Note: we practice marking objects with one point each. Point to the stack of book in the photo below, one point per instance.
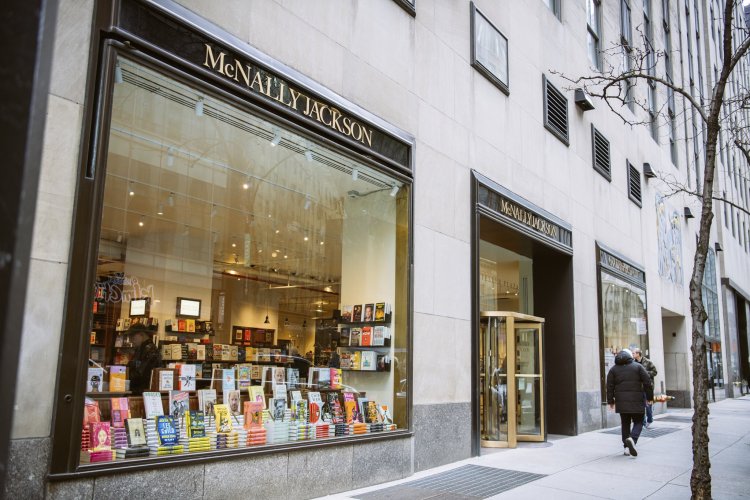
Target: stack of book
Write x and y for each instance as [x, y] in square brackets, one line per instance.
[299, 432]
[120, 436]
[132, 452]
[341, 429]
[198, 444]
[163, 436]
[376, 427]
[358, 428]
[277, 432]
[256, 436]
[91, 456]
[323, 431]
[85, 439]
[226, 440]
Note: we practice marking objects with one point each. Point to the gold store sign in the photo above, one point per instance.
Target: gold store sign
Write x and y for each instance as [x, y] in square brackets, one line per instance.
[529, 219]
[274, 88]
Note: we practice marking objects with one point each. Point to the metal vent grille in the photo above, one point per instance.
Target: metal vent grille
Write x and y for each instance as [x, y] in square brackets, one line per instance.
[601, 154]
[466, 482]
[651, 432]
[555, 111]
[634, 184]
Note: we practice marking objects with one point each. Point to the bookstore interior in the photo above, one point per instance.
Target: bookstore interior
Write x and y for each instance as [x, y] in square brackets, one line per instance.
[251, 282]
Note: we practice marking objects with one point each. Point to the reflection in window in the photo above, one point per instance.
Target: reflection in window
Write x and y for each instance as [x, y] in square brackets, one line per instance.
[623, 312]
[489, 50]
[277, 240]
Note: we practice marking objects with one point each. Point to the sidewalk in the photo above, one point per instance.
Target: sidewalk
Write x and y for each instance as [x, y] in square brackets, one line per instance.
[592, 465]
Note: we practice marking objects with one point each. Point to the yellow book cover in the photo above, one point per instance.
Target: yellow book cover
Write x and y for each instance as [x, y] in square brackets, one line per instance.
[190, 324]
[117, 378]
[223, 418]
[255, 392]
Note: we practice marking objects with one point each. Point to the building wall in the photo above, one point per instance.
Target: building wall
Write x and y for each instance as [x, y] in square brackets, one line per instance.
[414, 73]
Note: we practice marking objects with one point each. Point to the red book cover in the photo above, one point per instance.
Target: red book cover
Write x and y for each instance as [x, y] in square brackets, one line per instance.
[99, 434]
[366, 338]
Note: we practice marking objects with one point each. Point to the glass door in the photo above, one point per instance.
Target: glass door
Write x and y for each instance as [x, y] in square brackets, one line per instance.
[511, 392]
[529, 382]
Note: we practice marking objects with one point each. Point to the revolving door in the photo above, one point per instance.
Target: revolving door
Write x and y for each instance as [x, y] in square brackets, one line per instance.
[511, 379]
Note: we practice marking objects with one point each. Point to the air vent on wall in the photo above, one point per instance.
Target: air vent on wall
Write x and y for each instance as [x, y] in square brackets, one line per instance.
[634, 184]
[555, 111]
[600, 147]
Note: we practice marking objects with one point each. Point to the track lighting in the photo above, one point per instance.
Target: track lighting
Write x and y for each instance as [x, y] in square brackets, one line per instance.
[140, 222]
[213, 210]
[160, 210]
[131, 189]
[246, 184]
[307, 202]
[394, 191]
[355, 174]
[266, 322]
[276, 139]
[199, 107]
[170, 157]
[170, 199]
[308, 155]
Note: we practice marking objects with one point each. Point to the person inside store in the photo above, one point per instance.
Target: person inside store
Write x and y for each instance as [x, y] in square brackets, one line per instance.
[146, 357]
[626, 383]
[648, 419]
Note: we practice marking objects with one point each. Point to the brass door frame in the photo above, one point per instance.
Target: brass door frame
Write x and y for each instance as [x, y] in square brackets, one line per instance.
[514, 320]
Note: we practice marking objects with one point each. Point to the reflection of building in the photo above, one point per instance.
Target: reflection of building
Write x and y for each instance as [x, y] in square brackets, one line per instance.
[283, 182]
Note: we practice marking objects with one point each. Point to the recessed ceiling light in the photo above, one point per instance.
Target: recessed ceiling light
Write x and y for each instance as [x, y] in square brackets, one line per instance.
[306, 238]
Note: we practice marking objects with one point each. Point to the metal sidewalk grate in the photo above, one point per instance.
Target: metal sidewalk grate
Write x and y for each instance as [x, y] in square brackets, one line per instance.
[652, 432]
[465, 482]
[682, 419]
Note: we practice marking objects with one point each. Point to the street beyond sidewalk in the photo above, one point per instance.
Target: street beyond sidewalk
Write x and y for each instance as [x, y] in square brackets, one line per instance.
[592, 465]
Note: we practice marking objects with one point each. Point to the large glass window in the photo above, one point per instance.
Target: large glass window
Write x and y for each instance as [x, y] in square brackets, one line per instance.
[251, 283]
[593, 23]
[623, 318]
[489, 50]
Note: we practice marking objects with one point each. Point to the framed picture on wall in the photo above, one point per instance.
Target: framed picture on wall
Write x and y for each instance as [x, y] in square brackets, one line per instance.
[188, 308]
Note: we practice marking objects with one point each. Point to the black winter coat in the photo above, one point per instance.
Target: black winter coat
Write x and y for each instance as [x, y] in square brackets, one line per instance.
[626, 383]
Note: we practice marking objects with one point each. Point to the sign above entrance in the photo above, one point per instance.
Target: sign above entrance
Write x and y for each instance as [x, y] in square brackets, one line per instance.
[617, 265]
[525, 216]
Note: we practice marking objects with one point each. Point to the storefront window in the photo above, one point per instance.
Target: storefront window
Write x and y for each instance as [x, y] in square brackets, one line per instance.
[251, 283]
[622, 310]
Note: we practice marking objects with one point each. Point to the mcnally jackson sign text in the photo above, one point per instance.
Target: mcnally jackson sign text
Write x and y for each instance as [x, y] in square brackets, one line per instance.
[274, 88]
[529, 219]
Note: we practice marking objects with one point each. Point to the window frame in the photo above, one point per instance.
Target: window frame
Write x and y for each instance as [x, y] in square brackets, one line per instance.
[410, 6]
[476, 63]
[71, 370]
[595, 32]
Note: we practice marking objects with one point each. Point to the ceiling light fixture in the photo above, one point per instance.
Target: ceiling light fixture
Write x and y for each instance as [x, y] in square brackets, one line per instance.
[160, 209]
[199, 107]
[131, 189]
[355, 174]
[306, 238]
[140, 222]
[119, 237]
[246, 184]
[394, 191]
[170, 157]
[213, 210]
[307, 202]
[276, 140]
[308, 155]
[170, 199]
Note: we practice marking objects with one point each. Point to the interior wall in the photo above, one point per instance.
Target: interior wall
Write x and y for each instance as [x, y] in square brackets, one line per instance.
[677, 373]
[553, 300]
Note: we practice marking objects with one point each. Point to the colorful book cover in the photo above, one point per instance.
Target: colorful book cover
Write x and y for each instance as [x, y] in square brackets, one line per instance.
[350, 411]
[356, 360]
[187, 376]
[232, 400]
[279, 391]
[166, 431]
[255, 392]
[190, 325]
[166, 380]
[368, 360]
[345, 336]
[346, 360]
[357, 313]
[368, 313]
[356, 335]
[91, 412]
[385, 414]
[244, 376]
[179, 403]
[279, 375]
[362, 406]
[366, 337]
[336, 378]
[335, 411]
[227, 380]
[313, 412]
[200, 352]
[346, 313]
[181, 325]
[296, 395]
[223, 418]
[253, 414]
[256, 372]
[378, 336]
[136, 432]
[100, 436]
[371, 417]
[299, 411]
[120, 411]
[206, 401]
[117, 378]
[195, 424]
[380, 311]
[152, 404]
[95, 381]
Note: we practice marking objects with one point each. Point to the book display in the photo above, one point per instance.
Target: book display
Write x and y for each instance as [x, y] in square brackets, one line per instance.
[365, 337]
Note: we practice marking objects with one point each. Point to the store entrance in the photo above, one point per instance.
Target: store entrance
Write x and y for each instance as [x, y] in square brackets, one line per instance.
[511, 386]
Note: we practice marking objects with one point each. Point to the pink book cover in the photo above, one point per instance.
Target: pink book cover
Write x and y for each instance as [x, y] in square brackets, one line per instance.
[99, 433]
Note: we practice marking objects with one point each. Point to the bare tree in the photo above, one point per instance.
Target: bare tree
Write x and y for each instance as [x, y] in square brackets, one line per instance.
[614, 85]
